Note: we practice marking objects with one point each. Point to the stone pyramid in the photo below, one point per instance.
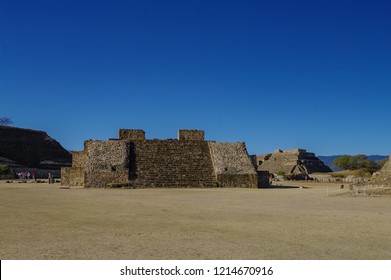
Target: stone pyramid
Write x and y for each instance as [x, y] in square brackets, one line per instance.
[296, 161]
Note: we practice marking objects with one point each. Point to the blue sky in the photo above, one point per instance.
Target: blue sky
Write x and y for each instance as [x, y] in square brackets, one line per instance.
[274, 74]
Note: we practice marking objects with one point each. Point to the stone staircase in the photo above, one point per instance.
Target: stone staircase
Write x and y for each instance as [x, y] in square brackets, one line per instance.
[171, 163]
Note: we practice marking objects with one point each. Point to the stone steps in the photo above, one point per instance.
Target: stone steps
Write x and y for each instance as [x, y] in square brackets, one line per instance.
[172, 163]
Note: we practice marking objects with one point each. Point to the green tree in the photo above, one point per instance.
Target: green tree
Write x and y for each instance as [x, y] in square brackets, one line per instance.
[368, 166]
[344, 162]
[358, 159]
[358, 162]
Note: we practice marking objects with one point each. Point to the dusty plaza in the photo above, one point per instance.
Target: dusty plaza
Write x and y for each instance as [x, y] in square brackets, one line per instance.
[288, 221]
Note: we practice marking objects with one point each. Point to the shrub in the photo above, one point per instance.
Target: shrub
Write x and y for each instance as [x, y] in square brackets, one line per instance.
[362, 173]
[4, 169]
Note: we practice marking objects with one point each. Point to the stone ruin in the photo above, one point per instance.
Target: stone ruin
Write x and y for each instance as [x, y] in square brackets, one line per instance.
[296, 161]
[386, 169]
[383, 176]
[136, 162]
[378, 185]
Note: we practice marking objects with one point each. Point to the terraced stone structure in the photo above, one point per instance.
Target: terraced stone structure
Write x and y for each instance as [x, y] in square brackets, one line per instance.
[296, 161]
[136, 162]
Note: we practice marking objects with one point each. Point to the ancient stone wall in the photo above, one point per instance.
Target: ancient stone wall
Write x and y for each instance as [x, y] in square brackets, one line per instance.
[387, 166]
[191, 134]
[66, 176]
[171, 163]
[75, 175]
[378, 185]
[232, 165]
[72, 176]
[237, 180]
[264, 179]
[79, 159]
[383, 176]
[107, 162]
[131, 134]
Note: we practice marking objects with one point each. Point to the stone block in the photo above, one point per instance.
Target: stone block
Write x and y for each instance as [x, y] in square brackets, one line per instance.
[131, 134]
[190, 134]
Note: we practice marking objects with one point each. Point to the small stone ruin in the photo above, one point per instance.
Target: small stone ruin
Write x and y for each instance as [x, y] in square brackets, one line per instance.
[383, 176]
[386, 169]
[378, 185]
[136, 162]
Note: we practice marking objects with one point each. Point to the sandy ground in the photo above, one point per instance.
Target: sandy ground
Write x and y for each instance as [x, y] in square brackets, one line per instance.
[42, 221]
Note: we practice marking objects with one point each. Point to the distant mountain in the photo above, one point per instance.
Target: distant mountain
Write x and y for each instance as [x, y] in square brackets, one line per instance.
[328, 160]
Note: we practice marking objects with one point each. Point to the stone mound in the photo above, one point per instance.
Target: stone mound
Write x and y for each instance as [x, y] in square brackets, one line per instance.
[296, 161]
[386, 169]
[382, 177]
[379, 185]
[31, 148]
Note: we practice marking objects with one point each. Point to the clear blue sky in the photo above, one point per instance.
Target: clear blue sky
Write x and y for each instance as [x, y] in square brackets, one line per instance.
[274, 74]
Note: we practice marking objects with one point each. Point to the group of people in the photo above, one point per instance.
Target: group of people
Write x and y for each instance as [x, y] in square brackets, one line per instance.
[26, 175]
[50, 178]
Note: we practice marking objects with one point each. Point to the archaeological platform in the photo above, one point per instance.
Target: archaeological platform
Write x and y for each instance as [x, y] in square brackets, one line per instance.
[136, 162]
[296, 161]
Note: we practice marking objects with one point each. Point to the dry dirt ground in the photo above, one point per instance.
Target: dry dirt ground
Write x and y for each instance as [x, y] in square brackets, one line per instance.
[42, 221]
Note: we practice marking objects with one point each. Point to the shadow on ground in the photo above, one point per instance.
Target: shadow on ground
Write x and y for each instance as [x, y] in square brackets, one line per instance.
[283, 187]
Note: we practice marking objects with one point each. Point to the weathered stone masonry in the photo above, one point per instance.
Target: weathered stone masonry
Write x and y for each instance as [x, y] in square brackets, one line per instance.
[296, 161]
[232, 165]
[137, 162]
